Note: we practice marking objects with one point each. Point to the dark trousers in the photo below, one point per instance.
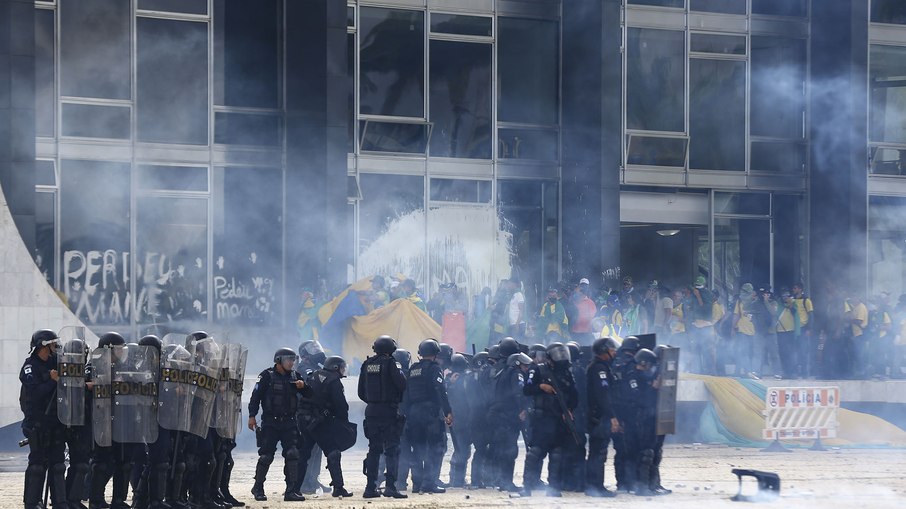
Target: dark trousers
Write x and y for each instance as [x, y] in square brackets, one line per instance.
[286, 434]
[320, 438]
[462, 450]
[46, 448]
[548, 439]
[502, 452]
[383, 434]
[598, 439]
[428, 438]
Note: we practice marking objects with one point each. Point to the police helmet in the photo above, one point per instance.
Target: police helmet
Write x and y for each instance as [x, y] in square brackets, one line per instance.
[43, 337]
[150, 340]
[645, 358]
[458, 363]
[631, 344]
[600, 346]
[74, 346]
[658, 349]
[334, 363]
[508, 346]
[494, 353]
[559, 353]
[283, 354]
[574, 351]
[384, 345]
[480, 359]
[446, 352]
[111, 339]
[313, 351]
[195, 337]
[403, 357]
[428, 348]
[518, 359]
[537, 351]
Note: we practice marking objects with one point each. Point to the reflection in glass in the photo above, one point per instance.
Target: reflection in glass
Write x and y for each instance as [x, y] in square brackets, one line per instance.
[460, 99]
[778, 156]
[44, 173]
[184, 6]
[659, 3]
[742, 252]
[95, 48]
[887, 85]
[888, 11]
[721, 6]
[778, 87]
[722, 44]
[398, 137]
[247, 129]
[466, 191]
[792, 8]
[461, 25]
[45, 227]
[887, 244]
[656, 151]
[717, 114]
[742, 203]
[95, 121]
[888, 161]
[45, 95]
[534, 144]
[172, 104]
[247, 53]
[527, 71]
[655, 80]
[350, 93]
[392, 62]
[172, 242]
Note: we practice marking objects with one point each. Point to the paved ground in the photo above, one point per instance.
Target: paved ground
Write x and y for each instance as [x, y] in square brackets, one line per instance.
[700, 477]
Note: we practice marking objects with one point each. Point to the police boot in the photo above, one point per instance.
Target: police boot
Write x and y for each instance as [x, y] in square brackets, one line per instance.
[507, 467]
[200, 489]
[57, 475]
[140, 497]
[34, 486]
[336, 475]
[531, 476]
[100, 474]
[174, 489]
[370, 469]
[121, 486]
[264, 463]
[291, 476]
[646, 459]
[157, 485]
[75, 485]
[214, 485]
[225, 484]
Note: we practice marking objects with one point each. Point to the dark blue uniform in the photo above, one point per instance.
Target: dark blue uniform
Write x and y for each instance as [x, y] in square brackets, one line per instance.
[483, 468]
[426, 404]
[277, 395]
[381, 387]
[327, 407]
[549, 430]
[504, 420]
[460, 394]
[598, 380]
[621, 399]
[46, 442]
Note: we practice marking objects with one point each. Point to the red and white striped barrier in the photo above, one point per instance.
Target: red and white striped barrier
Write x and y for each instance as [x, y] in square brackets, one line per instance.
[801, 412]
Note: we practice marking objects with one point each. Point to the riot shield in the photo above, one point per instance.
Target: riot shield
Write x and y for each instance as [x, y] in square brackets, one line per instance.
[204, 381]
[135, 373]
[102, 402]
[228, 406]
[175, 390]
[668, 368]
[71, 396]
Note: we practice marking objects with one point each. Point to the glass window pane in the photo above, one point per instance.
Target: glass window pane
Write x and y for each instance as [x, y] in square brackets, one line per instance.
[535, 144]
[717, 115]
[96, 121]
[45, 228]
[392, 226]
[172, 242]
[45, 94]
[350, 93]
[184, 6]
[655, 80]
[44, 173]
[94, 241]
[659, 3]
[796, 8]
[887, 84]
[392, 62]
[742, 203]
[528, 66]
[172, 101]
[247, 129]
[395, 137]
[888, 11]
[460, 95]
[172, 178]
[723, 44]
[656, 151]
[887, 245]
[888, 161]
[350, 17]
[462, 25]
[466, 191]
[778, 87]
[780, 157]
[95, 48]
[247, 253]
[247, 53]
[721, 6]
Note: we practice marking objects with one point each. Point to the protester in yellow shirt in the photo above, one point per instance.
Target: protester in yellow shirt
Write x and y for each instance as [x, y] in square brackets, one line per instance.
[744, 329]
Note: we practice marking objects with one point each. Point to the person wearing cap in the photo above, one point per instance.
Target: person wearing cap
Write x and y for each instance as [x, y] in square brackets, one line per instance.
[627, 288]
[743, 332]
[552, 318]
[635, 317]
[806, 309]
[789, 331]
[580, 329]
[515, 309]
[612, 317]
[408, 291]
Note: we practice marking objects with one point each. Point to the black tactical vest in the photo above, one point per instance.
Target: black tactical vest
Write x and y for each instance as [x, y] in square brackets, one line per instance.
[281, 398]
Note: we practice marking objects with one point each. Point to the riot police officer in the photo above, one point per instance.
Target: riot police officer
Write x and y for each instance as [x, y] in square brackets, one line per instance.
[153, 485]
[404, 358]
[326, 421]
[507, 412]
[427, 410]
[276, 392]
[381, 386]
[311, 358]
[553, 391]
[484, 467]
[459, 393]
[642, 434]
[623, 367]
[573, 450]
[41, 425]
[602, 421]
[74, 411]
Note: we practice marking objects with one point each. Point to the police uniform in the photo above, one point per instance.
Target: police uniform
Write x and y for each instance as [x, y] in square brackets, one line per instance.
[276, 394]
[549, 431]
[504, 422]
[326, 407]
[426, 403]
[482, 433]
[308, 482]
[78, 441]
[460, 394]
[638, 403]
[599, 378]
[42, 427]
[381, 387]
[621, 398]
[574, 452]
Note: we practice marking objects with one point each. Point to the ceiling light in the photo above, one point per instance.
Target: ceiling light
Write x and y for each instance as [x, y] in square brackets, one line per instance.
[667, 233]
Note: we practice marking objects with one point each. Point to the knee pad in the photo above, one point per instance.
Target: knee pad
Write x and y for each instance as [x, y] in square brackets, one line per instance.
[266, 459]
[291, 454]
[333, 456]
[647, 456]
[35, 469]
[535, 453]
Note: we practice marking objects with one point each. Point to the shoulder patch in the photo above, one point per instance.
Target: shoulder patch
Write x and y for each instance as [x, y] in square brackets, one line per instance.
[440, 379]
[27, 369]
[602, 375]
[399, 366]
[521, 379]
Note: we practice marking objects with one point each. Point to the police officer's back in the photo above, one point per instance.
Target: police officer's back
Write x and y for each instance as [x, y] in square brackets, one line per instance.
[602, 421]
[428, 407]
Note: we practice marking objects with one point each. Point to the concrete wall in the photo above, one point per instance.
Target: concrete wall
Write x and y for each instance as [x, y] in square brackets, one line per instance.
[27, 303]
